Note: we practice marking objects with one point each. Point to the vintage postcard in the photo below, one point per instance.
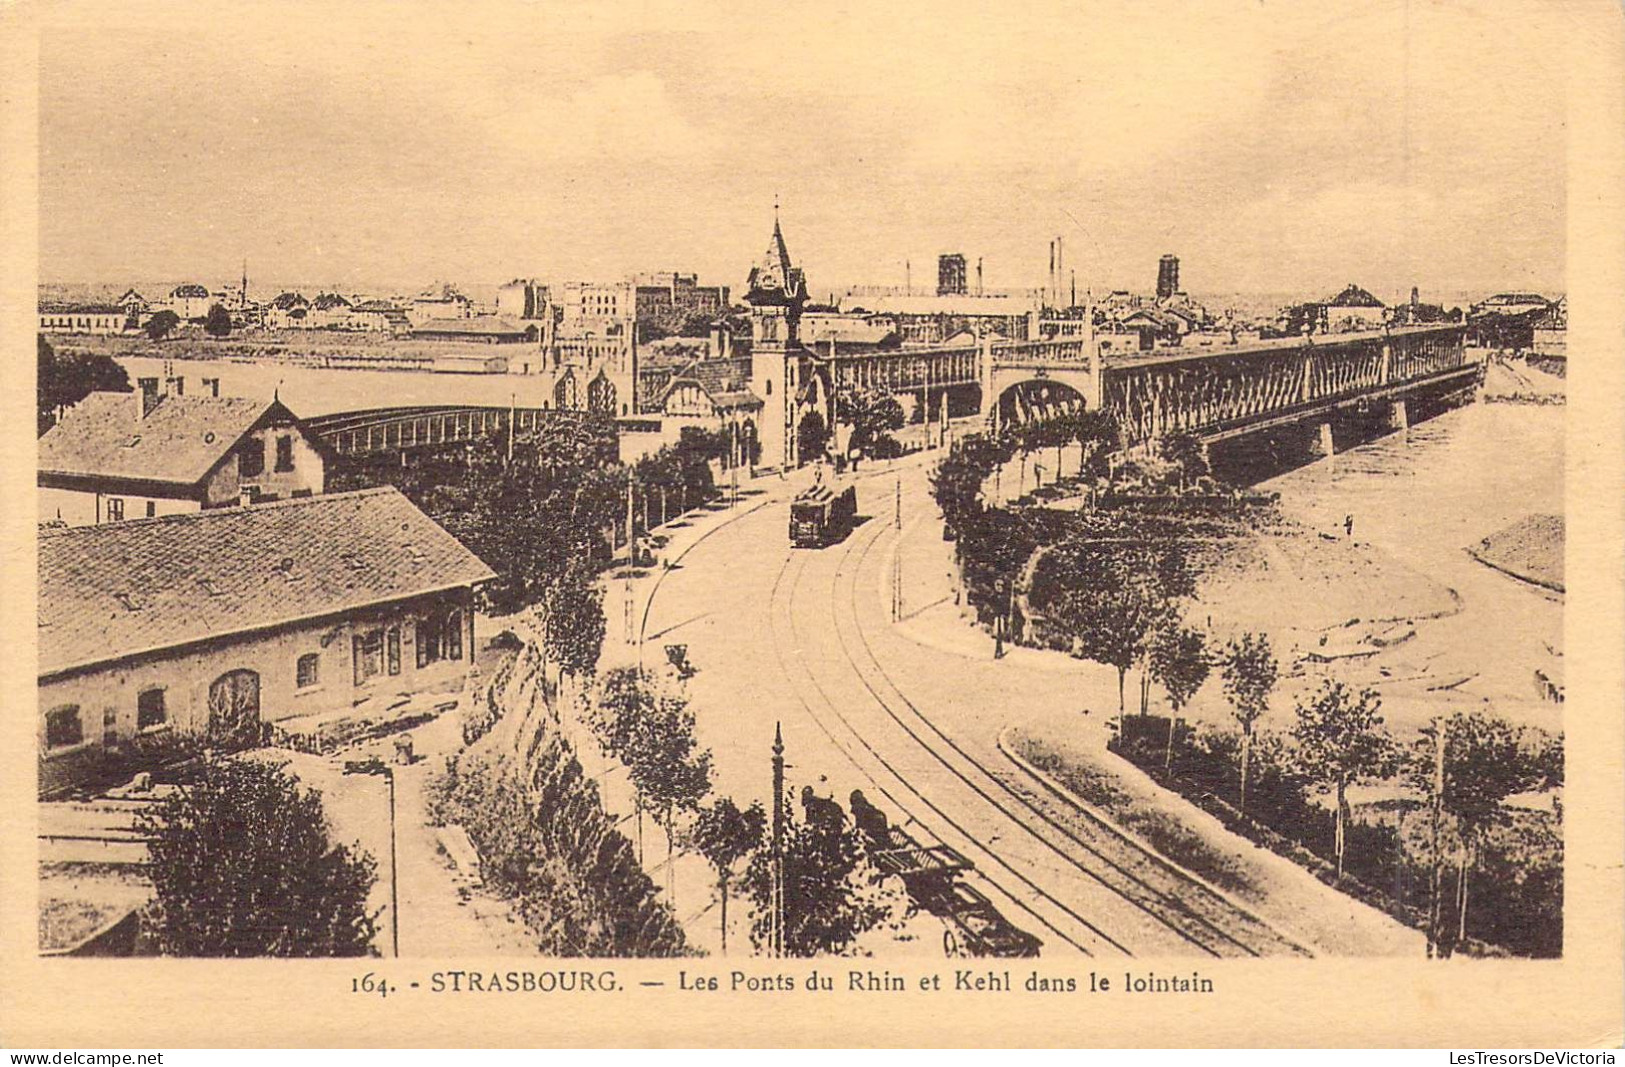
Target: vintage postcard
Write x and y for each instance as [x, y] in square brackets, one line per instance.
[1062, 524]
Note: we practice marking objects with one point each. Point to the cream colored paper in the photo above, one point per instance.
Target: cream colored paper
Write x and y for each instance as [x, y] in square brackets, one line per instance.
[892, 128]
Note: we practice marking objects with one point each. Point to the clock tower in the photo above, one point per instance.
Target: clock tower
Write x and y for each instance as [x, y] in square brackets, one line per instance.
[776, 293]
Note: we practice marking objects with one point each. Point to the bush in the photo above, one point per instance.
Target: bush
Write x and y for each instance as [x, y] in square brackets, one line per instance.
[242, 865]
[546, 843]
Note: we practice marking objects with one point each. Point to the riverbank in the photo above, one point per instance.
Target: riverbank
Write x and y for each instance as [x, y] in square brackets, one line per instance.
[1530, 550]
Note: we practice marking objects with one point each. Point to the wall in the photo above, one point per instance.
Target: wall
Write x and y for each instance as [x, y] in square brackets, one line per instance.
[224, 483]
[111, 692]
[78, 508]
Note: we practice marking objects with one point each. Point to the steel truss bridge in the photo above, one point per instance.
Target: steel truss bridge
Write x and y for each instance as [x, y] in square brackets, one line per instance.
[381, 431]
[1214, 392]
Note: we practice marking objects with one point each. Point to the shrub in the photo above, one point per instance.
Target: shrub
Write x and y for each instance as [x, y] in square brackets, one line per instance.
[242, 865]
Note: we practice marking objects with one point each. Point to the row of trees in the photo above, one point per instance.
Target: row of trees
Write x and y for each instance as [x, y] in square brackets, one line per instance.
[832, 893]
[548, 517]
[1465, 766]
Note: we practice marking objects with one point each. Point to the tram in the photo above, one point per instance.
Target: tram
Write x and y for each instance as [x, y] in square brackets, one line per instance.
[822, 516]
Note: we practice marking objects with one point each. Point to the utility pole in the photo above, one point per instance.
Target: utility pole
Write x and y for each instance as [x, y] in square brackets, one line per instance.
[776, 927]
[1437, 813]
[513, 423]
[394, 869]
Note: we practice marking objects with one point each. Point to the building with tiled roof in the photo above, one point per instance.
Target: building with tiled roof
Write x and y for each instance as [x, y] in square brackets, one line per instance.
[117, 456]
[65, 317]
[481, 329]
[190, 301]
[379, 316]
[214, 623]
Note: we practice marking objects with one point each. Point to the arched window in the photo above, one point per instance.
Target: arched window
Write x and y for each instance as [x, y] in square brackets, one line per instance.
[770, 387]
[308, 672]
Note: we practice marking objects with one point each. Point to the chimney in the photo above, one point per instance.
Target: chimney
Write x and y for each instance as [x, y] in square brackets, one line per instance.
[175, 386]
[213, 386]
[146, 397]
[245, 496]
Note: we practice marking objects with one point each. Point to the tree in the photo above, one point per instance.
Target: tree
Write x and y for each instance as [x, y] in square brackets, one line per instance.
[670, 769]
[64, 380]
[1179, 664]
[1341, 742]
[1250, 671]
[1112, 597]
[572, 621]
[833, 894]
[218, 321]
[162, 324]
[1480, 762]
[241, 864]
[1186, 452]
[874, 416]
[725, 835]
[650, 729]
[812, 436]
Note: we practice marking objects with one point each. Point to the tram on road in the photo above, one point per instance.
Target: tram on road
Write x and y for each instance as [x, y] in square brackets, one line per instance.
[821, 515]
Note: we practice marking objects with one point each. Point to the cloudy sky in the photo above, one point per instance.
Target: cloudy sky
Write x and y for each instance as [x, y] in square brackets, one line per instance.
[1275, 148]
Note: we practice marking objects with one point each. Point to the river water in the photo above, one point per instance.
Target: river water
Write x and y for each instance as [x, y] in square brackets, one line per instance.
[1422, 501]
[312, 391]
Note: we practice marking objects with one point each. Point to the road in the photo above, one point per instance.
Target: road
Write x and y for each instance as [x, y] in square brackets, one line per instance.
[805, 638]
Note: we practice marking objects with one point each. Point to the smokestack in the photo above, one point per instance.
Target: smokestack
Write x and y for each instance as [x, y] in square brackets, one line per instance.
[1074, 301]
[979, 291]
[146, 397]
[1049, 286]
[1060, 265]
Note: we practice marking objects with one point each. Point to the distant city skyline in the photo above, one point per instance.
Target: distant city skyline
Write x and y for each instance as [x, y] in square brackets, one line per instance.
[384, 150]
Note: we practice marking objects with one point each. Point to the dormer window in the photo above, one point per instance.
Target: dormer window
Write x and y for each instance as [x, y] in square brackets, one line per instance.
[284, 453]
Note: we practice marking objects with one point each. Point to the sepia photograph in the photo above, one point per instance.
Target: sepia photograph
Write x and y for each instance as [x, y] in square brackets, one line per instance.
[1066, 498]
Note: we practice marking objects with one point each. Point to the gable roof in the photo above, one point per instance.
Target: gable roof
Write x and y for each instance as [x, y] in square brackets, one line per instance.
[328, 301]
[126, 588]
[189, 291]
[178, 441]
[288, 301]
[725, 381]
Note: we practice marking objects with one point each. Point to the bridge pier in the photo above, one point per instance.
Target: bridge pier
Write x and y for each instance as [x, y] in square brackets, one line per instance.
[1322, 445]
[1399, 417]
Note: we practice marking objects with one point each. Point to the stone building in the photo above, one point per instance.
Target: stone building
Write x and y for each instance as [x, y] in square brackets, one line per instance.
[117, 456]
[205, 627]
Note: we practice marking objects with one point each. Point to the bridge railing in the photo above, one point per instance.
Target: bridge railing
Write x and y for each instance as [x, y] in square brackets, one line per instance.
[1074, 350]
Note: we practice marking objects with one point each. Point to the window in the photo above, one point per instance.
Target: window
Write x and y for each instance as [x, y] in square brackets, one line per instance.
[252, 461]
[150, 710]
[369, 655]
[440, 637]
[115, 509]
[62, 727]
[309, 670]
[152, 508]
[109, 727]
[284, 453]
[394, 650]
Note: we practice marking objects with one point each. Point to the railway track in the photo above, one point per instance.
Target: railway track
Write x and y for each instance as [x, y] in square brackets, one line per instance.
[1058, 920]
[1162, 893]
